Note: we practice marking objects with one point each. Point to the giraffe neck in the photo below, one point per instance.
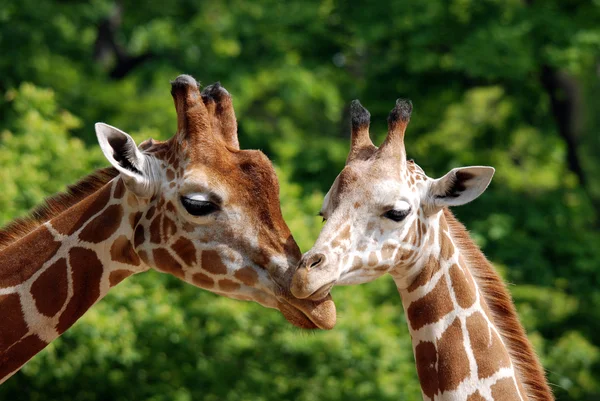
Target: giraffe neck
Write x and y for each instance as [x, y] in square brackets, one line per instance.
[459, 352]
[53, 275]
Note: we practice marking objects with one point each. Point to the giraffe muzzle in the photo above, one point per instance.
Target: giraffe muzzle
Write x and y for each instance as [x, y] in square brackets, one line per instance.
[314, 277]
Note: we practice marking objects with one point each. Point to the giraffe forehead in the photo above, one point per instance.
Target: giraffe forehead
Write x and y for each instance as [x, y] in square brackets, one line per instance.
[198, 181]
[389, 191]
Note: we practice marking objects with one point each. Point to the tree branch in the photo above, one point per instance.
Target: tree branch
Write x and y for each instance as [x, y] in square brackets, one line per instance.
[106, 46]
[564, 99]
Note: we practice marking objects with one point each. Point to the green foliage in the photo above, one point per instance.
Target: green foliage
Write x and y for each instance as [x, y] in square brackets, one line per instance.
[474, 72]
[38, 157]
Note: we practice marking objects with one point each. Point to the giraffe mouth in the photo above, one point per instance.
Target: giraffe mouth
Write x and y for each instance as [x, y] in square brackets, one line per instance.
[308, 314]
[321, 292]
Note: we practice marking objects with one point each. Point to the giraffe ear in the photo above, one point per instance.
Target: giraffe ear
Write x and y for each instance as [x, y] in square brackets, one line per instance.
[460, 185]
[121, 151]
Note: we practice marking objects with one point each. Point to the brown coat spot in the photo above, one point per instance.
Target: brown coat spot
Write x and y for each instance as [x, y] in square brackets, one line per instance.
[211, 262]
[202, 280]
[116, 276]
[403, 255]
[103, 225]
[188, 227]
[383, 267]
[345, 260]
[186, 250]
[150, 212]
[132, 200]
[166, 263]
[476, 397]
[453, 365]
[119, 189]
[426, 358]
[86, 272]
[228, 285]
[463, 288]
[78, 215]
[443, 224]
[412, 232]
[505, 390]
[19, 261]
[432, 266]
[521, 388]
[489, 353]
[170, 175]
[343, 235]
[138, 236]
[20, 353]
[170, 207]
[134, 219]
[447, 248]
[122, 251]
[144, 256]
[247, 275]
[432, 307]
[262, 257]
[387, 252]
[50, 289]
[13, 326]
[169, 227]
[373, 259]
[155, 230]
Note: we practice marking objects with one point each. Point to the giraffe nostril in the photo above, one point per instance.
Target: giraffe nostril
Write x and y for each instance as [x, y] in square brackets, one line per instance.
[315, 261]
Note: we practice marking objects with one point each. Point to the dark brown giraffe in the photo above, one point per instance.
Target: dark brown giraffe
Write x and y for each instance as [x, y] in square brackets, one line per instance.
[195, 206]
[384, 215]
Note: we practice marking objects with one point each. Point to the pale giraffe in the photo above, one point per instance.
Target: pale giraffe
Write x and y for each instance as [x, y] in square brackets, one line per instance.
[195, 206]
[384, 215]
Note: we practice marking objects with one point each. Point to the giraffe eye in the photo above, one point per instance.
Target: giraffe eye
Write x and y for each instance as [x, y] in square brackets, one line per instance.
[197, 207]
[396, 215]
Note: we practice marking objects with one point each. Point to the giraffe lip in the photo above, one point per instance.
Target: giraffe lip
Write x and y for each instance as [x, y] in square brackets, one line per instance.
[296, 316]
[320, 293]
[309, 314]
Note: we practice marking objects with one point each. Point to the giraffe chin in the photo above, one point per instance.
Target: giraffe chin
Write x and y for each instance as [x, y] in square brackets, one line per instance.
[309, 314]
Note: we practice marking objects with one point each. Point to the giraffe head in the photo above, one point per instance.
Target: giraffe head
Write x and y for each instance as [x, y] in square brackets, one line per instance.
[207, 212]
[377, 210]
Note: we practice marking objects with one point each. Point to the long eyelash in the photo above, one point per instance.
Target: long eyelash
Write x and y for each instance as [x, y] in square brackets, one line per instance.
[320, 214]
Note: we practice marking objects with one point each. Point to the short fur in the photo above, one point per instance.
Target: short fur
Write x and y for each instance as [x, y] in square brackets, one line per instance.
[55, 205]
[504, 313]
